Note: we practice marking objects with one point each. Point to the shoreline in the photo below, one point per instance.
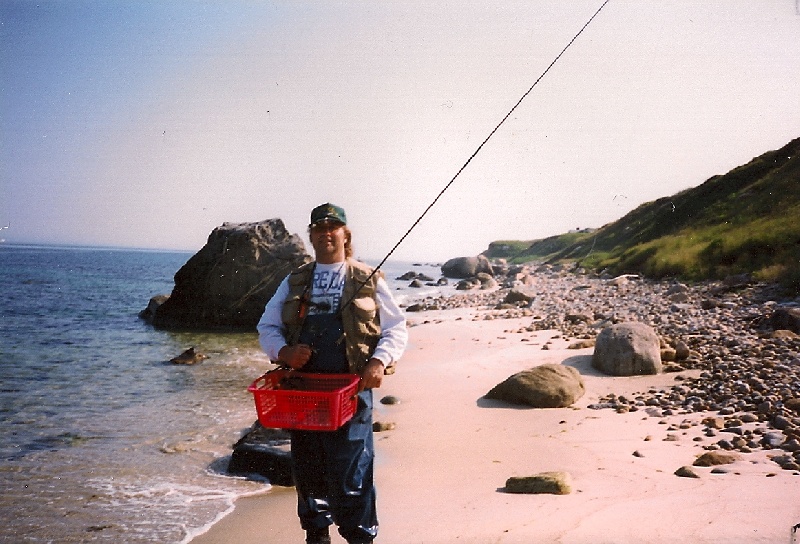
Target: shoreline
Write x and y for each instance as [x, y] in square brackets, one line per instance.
[440, 473]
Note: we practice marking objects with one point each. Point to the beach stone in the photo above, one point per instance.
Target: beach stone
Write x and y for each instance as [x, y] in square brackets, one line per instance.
[265, 452]
[544, 386]
[226, 284]
[714, 458]
[189, 357]
[467, 267]
[682, 351]
[467, 284]
[519, 295]
[581, 344]
[627, 349]
[487, 281]
[686, 472]
[553, 483]
[383, 426]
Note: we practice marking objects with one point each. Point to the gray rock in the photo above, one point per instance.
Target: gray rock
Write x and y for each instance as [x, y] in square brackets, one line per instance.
[226, 284]
[466, 267]
[627, 349]
[519, 295]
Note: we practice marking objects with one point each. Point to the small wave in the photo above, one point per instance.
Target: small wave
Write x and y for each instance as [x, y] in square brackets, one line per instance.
[184, 509]
[190, 533]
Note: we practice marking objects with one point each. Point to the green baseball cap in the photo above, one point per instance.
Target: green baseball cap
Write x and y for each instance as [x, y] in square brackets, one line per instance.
[328, 212]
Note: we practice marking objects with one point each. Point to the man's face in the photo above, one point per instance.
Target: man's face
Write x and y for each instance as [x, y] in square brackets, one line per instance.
[327, 238]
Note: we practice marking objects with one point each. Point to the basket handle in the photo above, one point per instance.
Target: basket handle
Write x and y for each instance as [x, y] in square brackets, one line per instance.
[261, 381]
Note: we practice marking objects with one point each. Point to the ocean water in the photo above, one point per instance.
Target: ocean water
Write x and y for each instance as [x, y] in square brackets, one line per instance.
[101, 438]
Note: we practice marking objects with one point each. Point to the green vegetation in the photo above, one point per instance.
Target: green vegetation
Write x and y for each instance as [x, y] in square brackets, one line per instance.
[747, 221]
[516, 251]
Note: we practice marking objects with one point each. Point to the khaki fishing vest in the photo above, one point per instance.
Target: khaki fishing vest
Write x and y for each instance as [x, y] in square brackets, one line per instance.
[360, 318]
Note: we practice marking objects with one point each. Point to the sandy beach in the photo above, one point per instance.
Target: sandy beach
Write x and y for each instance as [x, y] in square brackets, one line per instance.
[441, 472]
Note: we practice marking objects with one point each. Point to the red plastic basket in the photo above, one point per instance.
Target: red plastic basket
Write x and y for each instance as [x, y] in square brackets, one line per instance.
[298, 400]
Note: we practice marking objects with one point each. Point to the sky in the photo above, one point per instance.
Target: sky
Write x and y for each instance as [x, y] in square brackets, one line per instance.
[147, 124]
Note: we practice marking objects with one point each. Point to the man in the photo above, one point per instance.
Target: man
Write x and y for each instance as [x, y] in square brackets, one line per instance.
[334, 316]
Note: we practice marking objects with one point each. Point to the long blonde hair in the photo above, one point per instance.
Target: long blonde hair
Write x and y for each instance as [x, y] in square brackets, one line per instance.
[348, 242]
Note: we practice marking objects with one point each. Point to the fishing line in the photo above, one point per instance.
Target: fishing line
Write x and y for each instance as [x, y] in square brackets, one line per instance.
[469, 160]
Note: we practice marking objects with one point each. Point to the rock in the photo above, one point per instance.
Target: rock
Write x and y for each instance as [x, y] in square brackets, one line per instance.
[783, 333]
[686, 472]
[390, 400]
[265, 452]
[780, 422]
[554, 483]
[793, 405]
[148, 313]
[714, 422]
[678, 288]
[627, 349]
[382, 426]
[668, 354]
[784, 318]
[487, 280]
[737, 281]
[466, 267]
[714, 458]
[544, 386]
[467, 284]
[581, 344]
[226, 284]
[189, 357]
[679, 298]
[682, 351]
[519, 295]
[622, 280]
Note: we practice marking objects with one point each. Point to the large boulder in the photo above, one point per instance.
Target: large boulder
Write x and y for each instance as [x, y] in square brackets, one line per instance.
[226, 284]
[467, 267]
[627, 349]
[265, 452]
[544, 386]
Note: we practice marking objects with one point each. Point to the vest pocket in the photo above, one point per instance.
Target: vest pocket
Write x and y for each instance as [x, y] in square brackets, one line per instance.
[290, 311]
[365, 309]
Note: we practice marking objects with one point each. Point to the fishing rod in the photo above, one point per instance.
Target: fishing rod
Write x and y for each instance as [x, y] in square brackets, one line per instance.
[469, 160]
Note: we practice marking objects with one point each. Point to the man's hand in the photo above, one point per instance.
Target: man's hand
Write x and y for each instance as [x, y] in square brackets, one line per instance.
[295, 356]
[372, 375]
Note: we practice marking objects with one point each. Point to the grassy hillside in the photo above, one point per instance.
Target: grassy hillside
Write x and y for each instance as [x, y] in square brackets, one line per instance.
[746, 221]
[532, 250]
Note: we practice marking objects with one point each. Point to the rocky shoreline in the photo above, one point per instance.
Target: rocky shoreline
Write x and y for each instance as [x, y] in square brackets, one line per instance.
[740, 337]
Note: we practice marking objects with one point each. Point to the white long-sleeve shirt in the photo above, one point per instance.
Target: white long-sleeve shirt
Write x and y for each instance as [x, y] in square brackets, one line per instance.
[394, 335]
